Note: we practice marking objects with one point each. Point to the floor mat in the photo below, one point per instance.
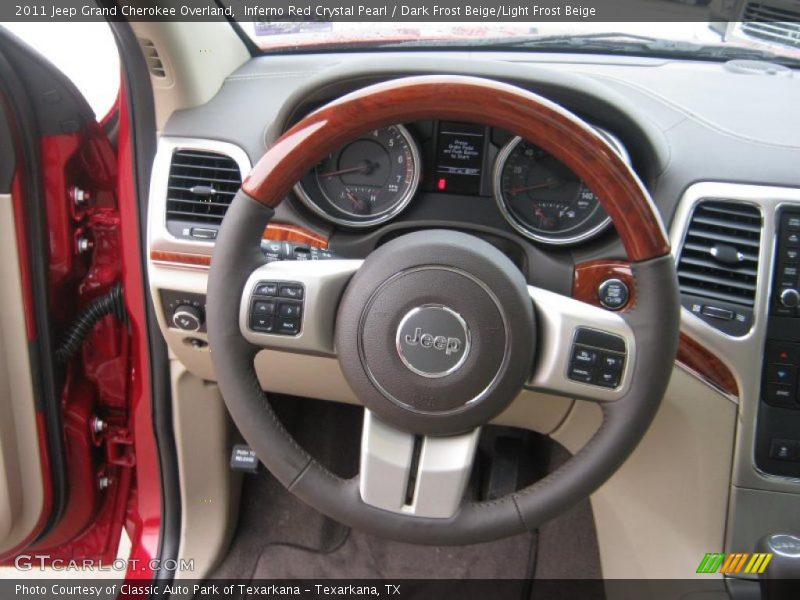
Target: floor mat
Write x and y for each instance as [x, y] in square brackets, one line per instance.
[280, 537]
[362, 556]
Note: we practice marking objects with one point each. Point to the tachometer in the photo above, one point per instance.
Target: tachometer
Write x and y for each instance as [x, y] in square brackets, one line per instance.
[542, 198]
[368, 181]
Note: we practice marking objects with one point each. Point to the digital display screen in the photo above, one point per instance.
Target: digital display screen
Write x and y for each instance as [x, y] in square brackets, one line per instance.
[459, 157]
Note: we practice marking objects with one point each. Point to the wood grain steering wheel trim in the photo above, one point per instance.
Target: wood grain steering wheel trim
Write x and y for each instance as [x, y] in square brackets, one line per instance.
[477, 100]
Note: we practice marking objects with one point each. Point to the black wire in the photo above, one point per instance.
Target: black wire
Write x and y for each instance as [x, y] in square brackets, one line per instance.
[113, 303]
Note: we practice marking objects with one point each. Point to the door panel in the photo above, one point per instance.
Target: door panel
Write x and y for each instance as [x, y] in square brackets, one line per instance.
[22, 488]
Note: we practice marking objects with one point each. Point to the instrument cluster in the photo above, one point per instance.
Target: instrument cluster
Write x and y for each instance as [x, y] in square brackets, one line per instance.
[374, 178]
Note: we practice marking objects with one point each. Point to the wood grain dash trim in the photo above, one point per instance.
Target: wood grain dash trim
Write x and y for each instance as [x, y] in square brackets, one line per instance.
[699, 360]
[181, 259]
[286, 232]
[283, 232]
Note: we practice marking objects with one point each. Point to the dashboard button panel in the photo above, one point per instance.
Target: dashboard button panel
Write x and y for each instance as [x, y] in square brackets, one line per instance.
[777, 449]
[786, 280]
[780, 449]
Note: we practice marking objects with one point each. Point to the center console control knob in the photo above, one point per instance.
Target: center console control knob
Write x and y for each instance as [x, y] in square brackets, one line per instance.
[790, 298]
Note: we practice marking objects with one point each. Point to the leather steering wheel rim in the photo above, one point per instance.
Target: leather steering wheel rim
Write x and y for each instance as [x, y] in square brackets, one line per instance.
[654, 319]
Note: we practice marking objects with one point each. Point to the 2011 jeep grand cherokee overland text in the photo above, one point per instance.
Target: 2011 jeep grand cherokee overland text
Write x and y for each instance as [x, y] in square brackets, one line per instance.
[455, 300]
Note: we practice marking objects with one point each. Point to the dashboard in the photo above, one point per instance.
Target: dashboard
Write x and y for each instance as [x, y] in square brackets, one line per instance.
[716, 147]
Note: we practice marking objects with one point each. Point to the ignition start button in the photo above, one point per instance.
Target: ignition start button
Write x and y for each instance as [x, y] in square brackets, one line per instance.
[613, 294]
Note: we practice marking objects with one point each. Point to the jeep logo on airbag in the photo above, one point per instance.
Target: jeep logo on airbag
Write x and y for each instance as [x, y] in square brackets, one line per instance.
[437, 342]
[433, 340]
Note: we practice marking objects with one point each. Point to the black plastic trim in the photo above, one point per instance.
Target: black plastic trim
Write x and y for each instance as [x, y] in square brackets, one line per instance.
[8, 159]
[251, 46]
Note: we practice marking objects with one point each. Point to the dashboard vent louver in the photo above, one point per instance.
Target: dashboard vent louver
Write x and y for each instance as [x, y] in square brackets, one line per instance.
[719, 257]
[773, 21]
[154, 63]
[201, 186]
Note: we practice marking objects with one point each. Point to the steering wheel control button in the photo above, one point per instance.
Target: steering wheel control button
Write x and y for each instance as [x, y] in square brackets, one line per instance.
[187, 318]
[268, 314]
[289, 309]
[607, 378]
[613, 294]
[291, 291]
[583, 374]
[262, 323]
[266, 289]
[433, 341]
[287, 326]
[583, 355]
[598, 358]
[264, 307]
[612, 361]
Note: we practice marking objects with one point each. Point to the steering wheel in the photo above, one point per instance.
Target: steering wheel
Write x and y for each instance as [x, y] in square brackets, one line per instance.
[437, 331]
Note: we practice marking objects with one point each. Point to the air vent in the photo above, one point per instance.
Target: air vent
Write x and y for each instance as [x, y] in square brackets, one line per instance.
[719, 258]
[773, 21]
[154, 63]
[201, 187]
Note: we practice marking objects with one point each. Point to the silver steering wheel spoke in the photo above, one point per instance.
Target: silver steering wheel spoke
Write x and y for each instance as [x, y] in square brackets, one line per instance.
[584, 351]
[291, 305]
[423, 476]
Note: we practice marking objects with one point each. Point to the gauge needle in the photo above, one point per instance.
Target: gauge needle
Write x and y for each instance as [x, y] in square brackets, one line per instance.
[357, 203]
[543, 217]
[367, 167]
[538, 186]
[343, 171]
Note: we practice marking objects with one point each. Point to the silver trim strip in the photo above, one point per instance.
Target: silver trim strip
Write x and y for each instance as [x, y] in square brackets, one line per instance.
[445, 464]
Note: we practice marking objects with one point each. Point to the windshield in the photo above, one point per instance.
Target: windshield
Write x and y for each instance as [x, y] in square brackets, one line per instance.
[699, 39]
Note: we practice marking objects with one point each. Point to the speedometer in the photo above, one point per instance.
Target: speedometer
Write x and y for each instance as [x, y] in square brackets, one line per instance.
[544, 199]
[368, 181]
